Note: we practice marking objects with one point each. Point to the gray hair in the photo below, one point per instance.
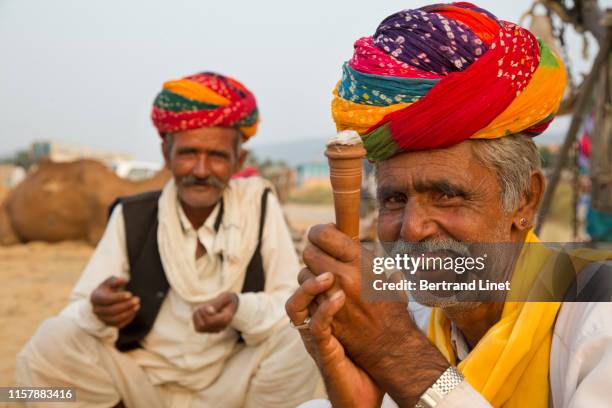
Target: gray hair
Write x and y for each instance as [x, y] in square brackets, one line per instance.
[514, 158]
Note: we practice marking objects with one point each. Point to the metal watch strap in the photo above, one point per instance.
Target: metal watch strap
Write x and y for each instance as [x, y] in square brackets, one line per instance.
[443, 385]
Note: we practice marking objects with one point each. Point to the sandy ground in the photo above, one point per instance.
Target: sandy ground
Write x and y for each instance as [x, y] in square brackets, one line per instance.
[36, 279]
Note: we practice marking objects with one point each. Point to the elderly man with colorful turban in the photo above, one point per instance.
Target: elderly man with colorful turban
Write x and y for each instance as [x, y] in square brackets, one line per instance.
[446, 99]
[182, 302]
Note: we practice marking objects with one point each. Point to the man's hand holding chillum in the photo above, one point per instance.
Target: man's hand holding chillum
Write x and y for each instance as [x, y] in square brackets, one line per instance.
[363, 348]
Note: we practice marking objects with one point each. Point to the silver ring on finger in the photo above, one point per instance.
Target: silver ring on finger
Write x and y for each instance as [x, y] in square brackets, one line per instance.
[304, 326]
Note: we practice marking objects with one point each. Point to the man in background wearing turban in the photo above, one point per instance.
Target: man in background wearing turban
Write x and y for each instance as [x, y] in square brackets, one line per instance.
[446, 99]
[181, 304]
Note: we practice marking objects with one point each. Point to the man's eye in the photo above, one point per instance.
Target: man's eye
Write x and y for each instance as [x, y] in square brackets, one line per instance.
[449, 197]
[219, 155]
[394, 201]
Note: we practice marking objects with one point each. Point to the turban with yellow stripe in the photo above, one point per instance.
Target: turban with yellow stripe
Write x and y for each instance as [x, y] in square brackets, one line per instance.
[435, 76]
[206, 99]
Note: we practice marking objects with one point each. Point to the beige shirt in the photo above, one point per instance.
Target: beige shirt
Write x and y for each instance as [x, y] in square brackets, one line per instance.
[173, 352]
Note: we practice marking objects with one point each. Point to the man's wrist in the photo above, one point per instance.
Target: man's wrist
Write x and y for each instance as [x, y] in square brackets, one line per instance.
[449, 380]
[409, 367]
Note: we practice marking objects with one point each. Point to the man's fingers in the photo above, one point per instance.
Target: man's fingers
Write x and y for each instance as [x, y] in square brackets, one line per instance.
[219, 303]
[320, 322]
[104, 297]
[116, 308]
[115, 282]
[198, 320]
[204, 322]
[314, 258]
[319, 339]
[210, 319]
[305, 274]
[121, 317]
[221, 319]
[110, 292]
[336, 244]
[297, 305]
[125, 322]
[223, 300]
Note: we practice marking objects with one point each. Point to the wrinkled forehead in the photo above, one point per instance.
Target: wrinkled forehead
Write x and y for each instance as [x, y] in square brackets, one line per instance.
[455, 165]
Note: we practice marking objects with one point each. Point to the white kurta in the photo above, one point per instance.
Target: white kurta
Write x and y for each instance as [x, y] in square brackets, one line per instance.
[173, 353]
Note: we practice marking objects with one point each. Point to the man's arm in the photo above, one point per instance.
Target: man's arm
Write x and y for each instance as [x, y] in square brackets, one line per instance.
[347, 384]
[379, 336]
[109, 259]
[581, 355]
[260, 313]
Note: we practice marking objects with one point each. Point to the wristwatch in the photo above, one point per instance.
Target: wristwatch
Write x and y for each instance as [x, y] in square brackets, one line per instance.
[443, 385]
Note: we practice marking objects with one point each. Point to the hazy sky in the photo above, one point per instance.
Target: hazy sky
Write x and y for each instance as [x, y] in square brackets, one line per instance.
[86, 72]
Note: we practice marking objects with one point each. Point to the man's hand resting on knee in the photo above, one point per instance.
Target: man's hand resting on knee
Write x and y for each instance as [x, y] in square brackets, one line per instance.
[112, 304]
[216, 314]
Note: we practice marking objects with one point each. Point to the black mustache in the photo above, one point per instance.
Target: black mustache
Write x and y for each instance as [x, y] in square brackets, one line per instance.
[212, 181]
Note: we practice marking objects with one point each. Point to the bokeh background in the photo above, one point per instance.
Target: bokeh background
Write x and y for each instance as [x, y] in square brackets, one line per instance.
[77, 79]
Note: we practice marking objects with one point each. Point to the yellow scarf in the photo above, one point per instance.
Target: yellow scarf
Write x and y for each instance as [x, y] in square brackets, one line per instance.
[509, 365]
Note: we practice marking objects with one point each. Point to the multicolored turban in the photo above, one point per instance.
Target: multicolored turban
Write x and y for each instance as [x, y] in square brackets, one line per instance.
[432, 77]
[205, 100]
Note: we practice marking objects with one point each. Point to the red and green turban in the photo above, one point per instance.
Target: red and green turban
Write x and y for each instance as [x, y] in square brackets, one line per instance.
[432, 77]
[205, 100]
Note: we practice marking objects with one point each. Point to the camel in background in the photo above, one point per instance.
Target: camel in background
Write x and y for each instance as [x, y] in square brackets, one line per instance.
[3, 193]
[66, 201]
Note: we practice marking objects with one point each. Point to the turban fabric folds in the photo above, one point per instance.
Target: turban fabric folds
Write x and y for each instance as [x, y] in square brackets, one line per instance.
[435, 76]
[205, 100]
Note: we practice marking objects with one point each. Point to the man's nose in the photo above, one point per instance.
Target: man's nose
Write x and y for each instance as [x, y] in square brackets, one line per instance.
[201, 168]
[417, 225]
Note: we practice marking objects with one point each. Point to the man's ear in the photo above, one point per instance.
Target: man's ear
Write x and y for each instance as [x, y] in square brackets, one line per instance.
[524, 216]
[165, 148]
[241, 159]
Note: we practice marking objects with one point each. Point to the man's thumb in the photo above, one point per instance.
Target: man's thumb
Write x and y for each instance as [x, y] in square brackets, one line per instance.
[116, 282]
[223, 300]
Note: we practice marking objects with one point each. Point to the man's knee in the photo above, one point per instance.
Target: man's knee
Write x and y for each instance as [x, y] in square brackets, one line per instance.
[287, 375]
[286, 345]
[60, 353]
[56, 332]
[55, 340]
[286, 338]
